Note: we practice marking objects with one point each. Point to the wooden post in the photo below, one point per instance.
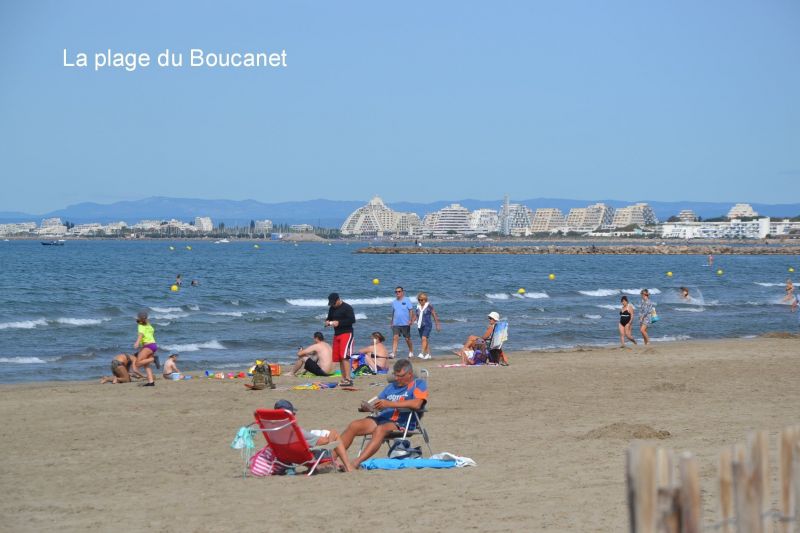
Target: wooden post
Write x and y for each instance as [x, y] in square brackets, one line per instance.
[796, 482]
[726, 490]
[751, 485]
[641, 483]
[746, 519]
[668, 507]
[788, 442]
[759, 455]
[691, 504]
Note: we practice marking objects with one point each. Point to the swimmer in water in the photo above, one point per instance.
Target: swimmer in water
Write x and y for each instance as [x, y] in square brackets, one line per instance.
[685, 294]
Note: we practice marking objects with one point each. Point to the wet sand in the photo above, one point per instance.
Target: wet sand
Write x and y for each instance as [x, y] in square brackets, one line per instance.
[548, 433]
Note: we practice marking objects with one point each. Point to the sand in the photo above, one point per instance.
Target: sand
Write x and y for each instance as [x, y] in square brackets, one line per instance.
[548, 433]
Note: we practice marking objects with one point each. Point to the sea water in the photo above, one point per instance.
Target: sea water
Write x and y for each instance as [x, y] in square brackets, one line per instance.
[65, 311]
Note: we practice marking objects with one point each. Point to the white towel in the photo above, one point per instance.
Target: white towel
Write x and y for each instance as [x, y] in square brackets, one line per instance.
[460, 461]
[420, 312]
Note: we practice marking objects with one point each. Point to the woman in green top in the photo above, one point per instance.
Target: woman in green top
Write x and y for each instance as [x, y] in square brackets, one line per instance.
[146, 344]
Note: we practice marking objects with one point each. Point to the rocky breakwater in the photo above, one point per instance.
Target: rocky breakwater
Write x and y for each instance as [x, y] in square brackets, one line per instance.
[665, 249]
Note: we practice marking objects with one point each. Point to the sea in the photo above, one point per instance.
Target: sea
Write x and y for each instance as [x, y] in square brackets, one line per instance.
[65, 311]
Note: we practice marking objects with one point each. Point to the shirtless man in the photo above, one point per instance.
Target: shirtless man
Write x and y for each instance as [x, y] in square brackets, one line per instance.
[317, 358]
[171, 368]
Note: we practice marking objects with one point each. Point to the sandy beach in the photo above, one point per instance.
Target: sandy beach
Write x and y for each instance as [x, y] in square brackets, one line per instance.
[548, 433]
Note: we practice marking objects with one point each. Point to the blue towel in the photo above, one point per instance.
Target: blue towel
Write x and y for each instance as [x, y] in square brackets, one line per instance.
[401, 464]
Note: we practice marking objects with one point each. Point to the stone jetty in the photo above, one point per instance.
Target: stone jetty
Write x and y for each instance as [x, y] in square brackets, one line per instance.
[665, 249]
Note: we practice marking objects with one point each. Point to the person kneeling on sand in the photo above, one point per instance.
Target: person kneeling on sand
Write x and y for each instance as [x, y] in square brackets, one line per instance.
[319, 437]
[316, 359]
[121, 370]
[404, 392]
[467, 352]
[171, 370]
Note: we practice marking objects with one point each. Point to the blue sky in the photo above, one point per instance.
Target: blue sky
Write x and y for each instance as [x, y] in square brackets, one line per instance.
[416, 101]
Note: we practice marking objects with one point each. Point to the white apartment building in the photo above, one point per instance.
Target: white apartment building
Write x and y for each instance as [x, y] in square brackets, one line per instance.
[687, 215]
[263, 226]
[742, 211]
[547, 219]
[484, 221]
[783, 227]
[17, 227]
[203, 224]
[733, 229]
[590, 218]
[450, 220]
[376, 218]
[52, 226]
[640, 214]
[517, 219]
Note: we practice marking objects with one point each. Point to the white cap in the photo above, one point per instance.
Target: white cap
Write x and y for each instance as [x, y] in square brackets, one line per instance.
[495, 315]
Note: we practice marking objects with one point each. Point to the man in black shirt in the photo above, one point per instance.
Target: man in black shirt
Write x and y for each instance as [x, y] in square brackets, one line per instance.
[341, 318]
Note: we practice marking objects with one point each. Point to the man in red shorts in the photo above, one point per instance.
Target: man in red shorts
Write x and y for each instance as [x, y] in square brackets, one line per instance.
[341, 318]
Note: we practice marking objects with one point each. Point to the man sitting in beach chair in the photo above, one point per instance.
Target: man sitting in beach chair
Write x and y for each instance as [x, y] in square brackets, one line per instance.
[489, 346]
[394, 409]
[294, 446]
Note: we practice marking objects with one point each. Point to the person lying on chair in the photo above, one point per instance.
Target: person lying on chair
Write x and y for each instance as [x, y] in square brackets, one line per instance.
[405, 392]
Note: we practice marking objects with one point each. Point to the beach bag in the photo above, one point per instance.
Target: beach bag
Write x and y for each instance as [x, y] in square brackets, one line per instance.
[262, 377]
[654, 316]
[402, 449]
[263, 463]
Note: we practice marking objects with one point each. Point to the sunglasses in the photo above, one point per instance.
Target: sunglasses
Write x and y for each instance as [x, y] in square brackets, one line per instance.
[398, 292]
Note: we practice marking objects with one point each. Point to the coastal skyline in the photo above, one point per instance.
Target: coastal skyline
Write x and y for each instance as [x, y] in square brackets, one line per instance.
[615, 101]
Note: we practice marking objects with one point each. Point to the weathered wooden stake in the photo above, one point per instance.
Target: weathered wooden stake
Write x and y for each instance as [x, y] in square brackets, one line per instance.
[691, 504]
[726, 490]
[759, 455]
[788, 441]
[641, 482]
[668, 507]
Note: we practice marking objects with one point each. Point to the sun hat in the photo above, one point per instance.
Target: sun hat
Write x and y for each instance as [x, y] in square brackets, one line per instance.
[285, 404]
[494, 315]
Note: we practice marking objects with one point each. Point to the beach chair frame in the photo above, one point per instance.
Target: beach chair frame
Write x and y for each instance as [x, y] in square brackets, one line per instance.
[294, 451]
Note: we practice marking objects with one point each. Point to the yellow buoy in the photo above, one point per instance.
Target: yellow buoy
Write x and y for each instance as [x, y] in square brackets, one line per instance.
[256, 246]
[171, 247]
[174, 288]
[188, 247]
[720, 272]
[791, 269]
[669, 274]
[520, 291]
[551, 277]
[376, 281]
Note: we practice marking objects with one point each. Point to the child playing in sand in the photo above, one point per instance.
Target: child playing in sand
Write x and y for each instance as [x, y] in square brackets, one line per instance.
[171, 370]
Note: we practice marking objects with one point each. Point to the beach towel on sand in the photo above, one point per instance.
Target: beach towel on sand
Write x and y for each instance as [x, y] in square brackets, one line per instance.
[440, 460]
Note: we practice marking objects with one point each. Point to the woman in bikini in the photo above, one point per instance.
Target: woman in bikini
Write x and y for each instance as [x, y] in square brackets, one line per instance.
[121, 370]
[626, 322]
[376, 354]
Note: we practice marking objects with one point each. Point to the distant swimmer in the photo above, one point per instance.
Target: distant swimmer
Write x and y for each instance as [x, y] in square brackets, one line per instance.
[179, 280]
[789, 291]
[710, 260]
[685, 294]
[626, 314]
[195, 283]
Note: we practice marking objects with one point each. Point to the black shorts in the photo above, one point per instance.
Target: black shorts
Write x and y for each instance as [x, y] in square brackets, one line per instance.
[402, 331]
[311, 366]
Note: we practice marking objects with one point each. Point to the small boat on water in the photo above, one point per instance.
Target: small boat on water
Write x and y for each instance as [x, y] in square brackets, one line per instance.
[59, 242]
[222, 241]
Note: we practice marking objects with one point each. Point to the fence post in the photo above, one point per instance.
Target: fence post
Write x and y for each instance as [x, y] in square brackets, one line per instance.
[641, 483]
[759, 454]
[746, 522]
[691, 505]
[726, 516]
[788, 442]
[668, 506]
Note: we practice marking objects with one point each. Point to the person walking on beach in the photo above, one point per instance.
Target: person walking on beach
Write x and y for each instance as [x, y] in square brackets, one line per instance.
[402, 317]
[645, 314]
[341, 318]
[426, 315]
[626, 314]
[146, 344]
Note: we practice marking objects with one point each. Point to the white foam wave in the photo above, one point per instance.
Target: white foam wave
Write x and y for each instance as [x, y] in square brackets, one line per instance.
[22, 360]
[600, 292]
[194, 307]
[167, 309]
[210, 345]
[448, 347]
[227, 313]
[768, 284]
[320, 302]
[162, 324]
[497, 296]
[690, 309]
[234, 302]
[608, 306]
[637, 291]
[170, 316]
[459, 319]
[536, 295]
[670, 338]
[82, 321]
[593, 317]
[361, 316]
[24, 324]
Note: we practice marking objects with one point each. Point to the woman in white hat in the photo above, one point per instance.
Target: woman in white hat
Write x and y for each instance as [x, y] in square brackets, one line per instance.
[467, 353]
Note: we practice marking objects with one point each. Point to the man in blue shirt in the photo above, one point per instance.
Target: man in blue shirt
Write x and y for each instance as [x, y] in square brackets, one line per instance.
[405, 392]
[402, 317]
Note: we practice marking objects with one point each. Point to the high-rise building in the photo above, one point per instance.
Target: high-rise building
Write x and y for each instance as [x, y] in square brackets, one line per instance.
[451, 220]
[203, 224]
[687, 215]
[742, 211]
[640, 214]
[263, 226]
[590, 218]
[376, 218]
[484, 221]
[547, 219]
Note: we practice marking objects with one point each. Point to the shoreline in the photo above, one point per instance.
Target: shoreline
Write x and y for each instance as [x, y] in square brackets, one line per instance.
[655, 249]
[548, 434]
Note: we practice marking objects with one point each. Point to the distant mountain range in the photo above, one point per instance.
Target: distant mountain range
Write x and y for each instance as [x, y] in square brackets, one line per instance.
[331, 213]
